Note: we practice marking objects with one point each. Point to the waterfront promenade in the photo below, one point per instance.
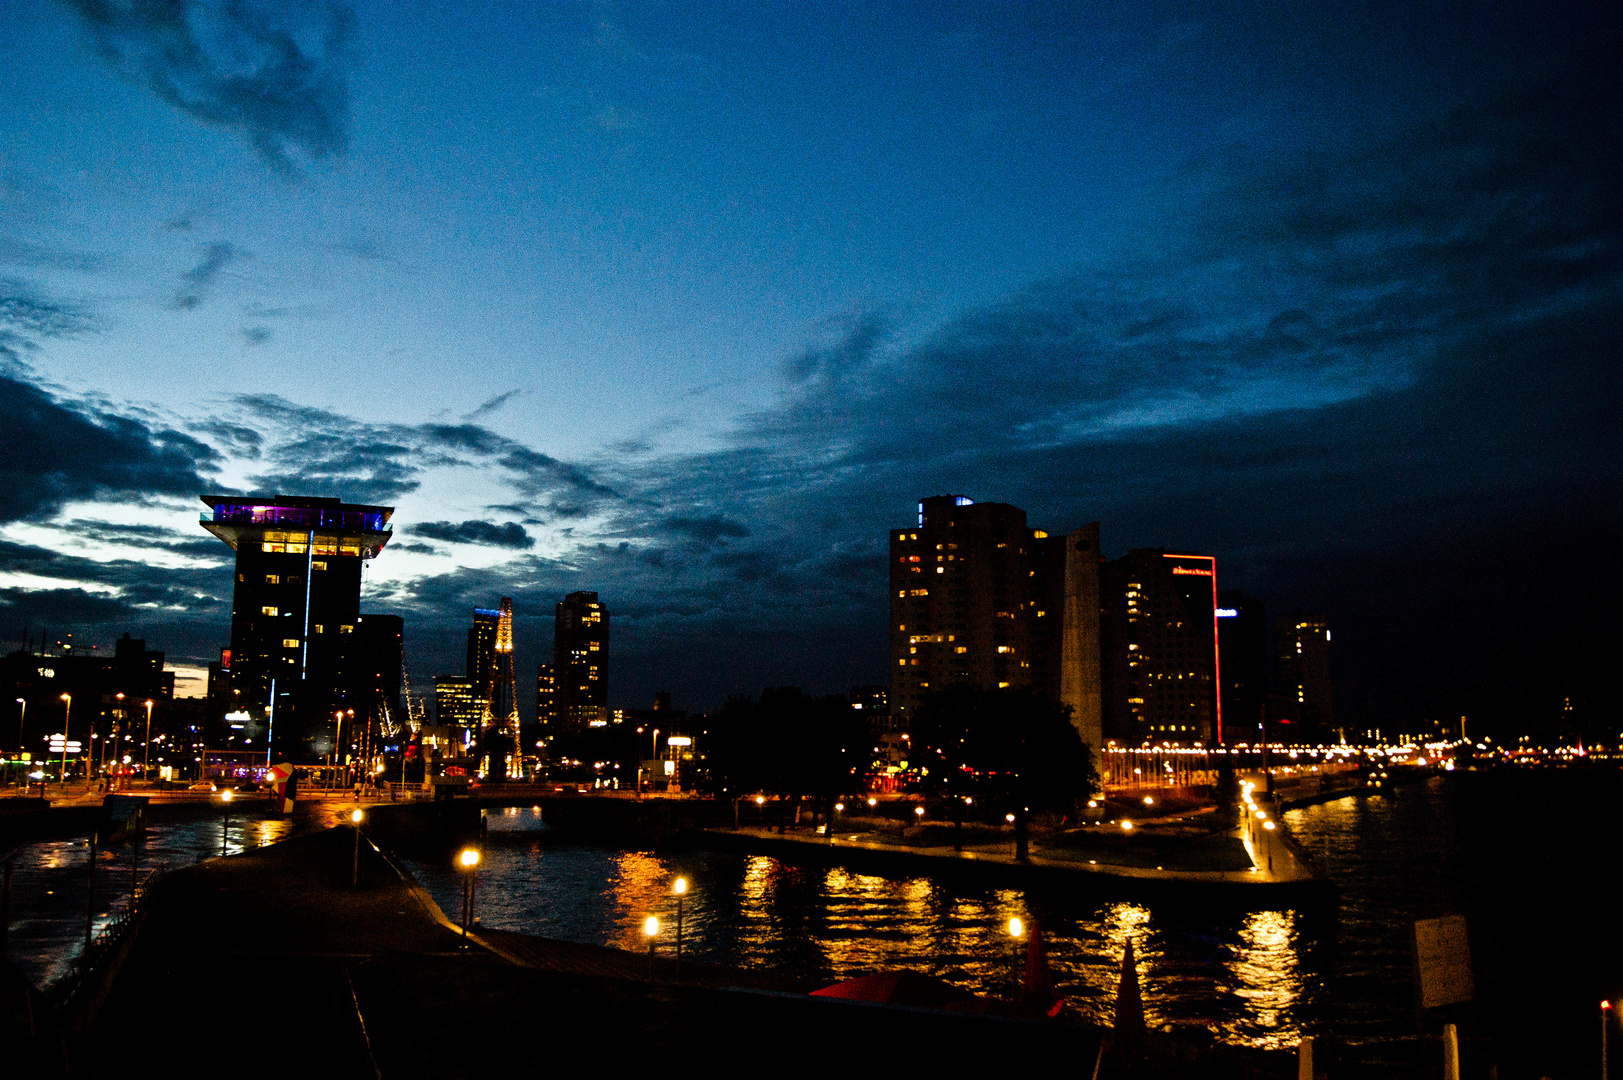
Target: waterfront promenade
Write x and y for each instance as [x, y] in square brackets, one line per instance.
[271, 959]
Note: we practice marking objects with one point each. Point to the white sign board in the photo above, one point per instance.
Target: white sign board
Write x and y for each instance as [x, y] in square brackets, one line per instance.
[1442, 962]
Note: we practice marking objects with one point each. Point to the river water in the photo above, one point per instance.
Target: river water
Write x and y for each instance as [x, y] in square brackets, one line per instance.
[1524, 855]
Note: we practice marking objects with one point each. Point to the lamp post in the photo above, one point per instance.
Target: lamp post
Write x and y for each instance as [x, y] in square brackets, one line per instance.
[146, 745]
[67, 714]
[225, 821]
[650, 930]
[1017, 930]
[680, 888]
[469, 861]
[22, 714]
[355, 818]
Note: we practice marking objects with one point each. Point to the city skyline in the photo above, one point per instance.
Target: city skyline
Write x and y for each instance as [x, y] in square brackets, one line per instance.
[686, 307]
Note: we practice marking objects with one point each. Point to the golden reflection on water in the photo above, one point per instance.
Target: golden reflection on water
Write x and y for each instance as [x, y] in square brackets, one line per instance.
[1265, 969]
[640, 888]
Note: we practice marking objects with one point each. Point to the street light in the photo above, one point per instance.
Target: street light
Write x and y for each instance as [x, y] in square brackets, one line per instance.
[1017, 930]
[469, 861]
[356, 817]
[650, 930]
[67, 713]
[21, 715]
[146, 747]
[225, 826]
[680, 888]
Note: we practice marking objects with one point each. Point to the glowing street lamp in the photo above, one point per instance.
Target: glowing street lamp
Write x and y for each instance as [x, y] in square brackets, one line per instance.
[146, 748]
[356, 816]
[225, 820]
[680, 888]
[67, 713]
[650, 930]
[469, 861]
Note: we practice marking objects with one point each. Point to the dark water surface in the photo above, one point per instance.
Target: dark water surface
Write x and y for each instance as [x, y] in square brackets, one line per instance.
[51, 884]
[1525, 856]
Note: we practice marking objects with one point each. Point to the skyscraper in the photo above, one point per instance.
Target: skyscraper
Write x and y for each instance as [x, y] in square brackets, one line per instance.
[294, 609]
[546, 702]
[980, 600]
[958, 601]
[580, 653]
[1302, 673]
[1242, 638]
[1158, 655]
[481, 663]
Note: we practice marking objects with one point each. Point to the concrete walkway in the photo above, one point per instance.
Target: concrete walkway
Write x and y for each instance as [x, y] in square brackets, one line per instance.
[1275, 863]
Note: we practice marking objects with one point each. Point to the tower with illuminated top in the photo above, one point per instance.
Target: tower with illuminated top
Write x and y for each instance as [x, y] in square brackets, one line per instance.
[295, 606]
[502, 752]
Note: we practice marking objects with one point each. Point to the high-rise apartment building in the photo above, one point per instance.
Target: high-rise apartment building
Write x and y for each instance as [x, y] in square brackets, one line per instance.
[1242, 640]
[1302, 673]
[958, 599]
[1159, 648]
[979, 599]
[294, 610]
[482, 659]
[546, 701]
[580, 653]
[455, 702]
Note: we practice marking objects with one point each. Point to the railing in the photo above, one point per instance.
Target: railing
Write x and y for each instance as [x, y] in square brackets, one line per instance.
[296, 516]
[105, 944]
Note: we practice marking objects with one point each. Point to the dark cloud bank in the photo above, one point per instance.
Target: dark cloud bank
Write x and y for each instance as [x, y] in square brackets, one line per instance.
[1380, 384]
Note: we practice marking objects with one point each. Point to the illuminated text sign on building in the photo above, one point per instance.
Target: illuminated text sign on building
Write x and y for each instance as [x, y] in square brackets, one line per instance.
[1192, 570]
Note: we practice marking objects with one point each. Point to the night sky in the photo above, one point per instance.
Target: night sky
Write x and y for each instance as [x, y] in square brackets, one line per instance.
[688, 304]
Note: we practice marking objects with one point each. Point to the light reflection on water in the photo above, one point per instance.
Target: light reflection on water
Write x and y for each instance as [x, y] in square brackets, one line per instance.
[1239, 974]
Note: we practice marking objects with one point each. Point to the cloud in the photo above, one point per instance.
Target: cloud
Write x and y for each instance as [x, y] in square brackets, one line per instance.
[256, 335]
[55, 451]
[709, 530]
[272, 71]
[492, 405]
[510, 535]
[195, 282]
[26, 316]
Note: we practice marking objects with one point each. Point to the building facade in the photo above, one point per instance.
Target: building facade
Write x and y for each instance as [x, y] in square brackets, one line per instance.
[1159, 648]
[981, 600]
[1242, 639]
[1302, 675]
[294, 656]
[580, 654]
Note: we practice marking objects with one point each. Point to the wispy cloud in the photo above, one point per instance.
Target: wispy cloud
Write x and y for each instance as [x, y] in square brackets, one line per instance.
[195, 282]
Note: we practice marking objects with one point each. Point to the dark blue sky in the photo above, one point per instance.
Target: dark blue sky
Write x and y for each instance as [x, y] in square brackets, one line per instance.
[688, 304]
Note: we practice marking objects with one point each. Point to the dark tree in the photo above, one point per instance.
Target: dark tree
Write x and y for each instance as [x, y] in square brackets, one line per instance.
[787, 743]
[1012, 746]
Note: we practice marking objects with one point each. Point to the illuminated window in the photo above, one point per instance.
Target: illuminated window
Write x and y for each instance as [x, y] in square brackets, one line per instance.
[268, 546]
[1002, 685]
[941, 569]
[273, 579]
[268, 610]
[290, 643]
[1005, 648]
[902, 663]
[345, 628]
[1040, 614]
[318, 565]
[318, 628]
[961, 648]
